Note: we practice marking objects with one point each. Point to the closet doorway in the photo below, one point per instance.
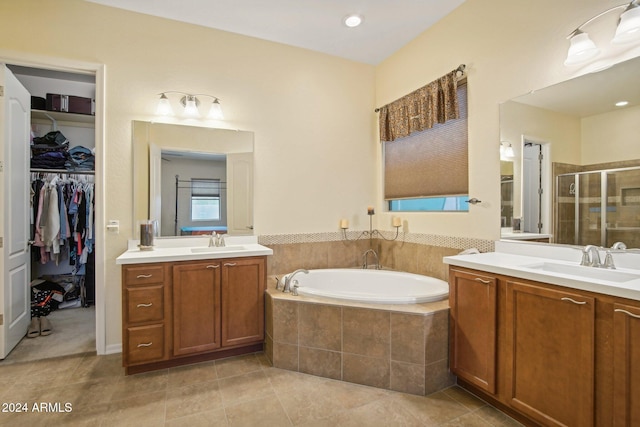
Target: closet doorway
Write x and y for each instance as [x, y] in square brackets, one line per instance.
[64, 286]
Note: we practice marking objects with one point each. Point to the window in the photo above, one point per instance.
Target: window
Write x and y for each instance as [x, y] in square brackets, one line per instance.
[428, 170]
[205, 199]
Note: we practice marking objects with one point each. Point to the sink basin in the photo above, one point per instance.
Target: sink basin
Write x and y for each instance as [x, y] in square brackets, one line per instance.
[587, 272]
[215, 249]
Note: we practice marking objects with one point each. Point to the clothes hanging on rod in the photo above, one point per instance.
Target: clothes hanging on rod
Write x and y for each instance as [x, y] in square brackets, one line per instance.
[62, 210]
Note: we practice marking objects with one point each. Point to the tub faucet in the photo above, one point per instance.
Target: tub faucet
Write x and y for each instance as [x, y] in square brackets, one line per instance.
[365, 259]
[591, 256]
[288, 280]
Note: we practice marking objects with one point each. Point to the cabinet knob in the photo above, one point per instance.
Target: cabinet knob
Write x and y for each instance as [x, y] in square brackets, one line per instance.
[573, 301]
[145, 305]
[628, 313]
[148, 344]
[144, 276]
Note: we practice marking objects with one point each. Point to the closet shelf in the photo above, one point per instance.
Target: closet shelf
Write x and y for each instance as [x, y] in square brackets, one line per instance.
[57, 116]
[65, 171]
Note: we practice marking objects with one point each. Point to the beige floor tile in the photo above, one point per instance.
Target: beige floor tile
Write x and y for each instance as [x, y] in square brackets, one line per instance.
[381, 413]
[193, 399]
[215, 418]
[467, 420]
[142, 410]
[431, 410]
[191, 374]
[148, 382]
[245, 387]
[496, 417]
[260, 412]
[238, 365]
[283, 381]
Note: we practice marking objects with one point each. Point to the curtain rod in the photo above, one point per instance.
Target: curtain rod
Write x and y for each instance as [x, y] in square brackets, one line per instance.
[460, 70]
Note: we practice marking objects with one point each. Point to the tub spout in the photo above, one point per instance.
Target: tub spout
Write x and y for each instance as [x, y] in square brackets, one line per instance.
[365, 259]
[289, 279]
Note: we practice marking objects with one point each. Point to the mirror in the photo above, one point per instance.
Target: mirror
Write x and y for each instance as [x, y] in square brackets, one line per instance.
[193, 180]
[576, 127]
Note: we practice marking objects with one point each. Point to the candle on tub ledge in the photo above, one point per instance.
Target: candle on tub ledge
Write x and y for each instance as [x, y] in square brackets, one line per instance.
[397, 222]
[370, 210]
[344, 224]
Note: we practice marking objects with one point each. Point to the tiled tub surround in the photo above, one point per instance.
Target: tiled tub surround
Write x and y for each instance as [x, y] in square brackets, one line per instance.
[396, 347]
[412, 252]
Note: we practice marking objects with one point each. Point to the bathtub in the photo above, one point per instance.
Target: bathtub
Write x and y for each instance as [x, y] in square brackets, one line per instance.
[372, 286]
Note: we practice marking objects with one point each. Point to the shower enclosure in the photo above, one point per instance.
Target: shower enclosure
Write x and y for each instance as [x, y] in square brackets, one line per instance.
[599, 207]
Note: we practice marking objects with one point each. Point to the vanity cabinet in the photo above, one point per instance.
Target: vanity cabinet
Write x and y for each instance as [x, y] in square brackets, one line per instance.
[550, 354]
[474, 303]
[183, 312]
[556, 356]
[626, 365]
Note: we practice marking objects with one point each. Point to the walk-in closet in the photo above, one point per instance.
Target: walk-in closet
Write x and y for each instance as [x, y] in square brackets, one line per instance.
[61, 214]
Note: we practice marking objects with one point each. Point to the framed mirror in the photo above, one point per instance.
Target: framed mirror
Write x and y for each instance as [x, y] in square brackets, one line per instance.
[193, 180]
[576, 159]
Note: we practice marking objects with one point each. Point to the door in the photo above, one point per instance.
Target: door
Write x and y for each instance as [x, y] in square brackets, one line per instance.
[196, 307]
[550, 354]
[473, 300]
[15, 111]
[532, 188]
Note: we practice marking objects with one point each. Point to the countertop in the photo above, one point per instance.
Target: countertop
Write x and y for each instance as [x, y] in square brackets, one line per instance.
[527, 266]
[182, 249]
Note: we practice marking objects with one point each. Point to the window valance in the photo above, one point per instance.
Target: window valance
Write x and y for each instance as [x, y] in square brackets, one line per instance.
[434, 103]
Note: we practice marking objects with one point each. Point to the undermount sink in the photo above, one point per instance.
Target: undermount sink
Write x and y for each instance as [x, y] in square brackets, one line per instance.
[587, 272]
[214, 249]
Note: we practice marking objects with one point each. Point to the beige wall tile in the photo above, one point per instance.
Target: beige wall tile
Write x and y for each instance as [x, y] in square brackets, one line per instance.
[407, 338]
[369, 371]
[437, 376]
[320, 326]
[366, 332]
[437, 337]
[285, 323]
[407, 378]
[323, 363]
[285, 356]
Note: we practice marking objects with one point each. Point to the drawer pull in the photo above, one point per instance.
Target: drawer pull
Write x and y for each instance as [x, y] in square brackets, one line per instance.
[573, 301]
[144, 305]
[148, 344]
[619, 310]
[143, 276]
[230, 264]
[486, 282]
[213, 266]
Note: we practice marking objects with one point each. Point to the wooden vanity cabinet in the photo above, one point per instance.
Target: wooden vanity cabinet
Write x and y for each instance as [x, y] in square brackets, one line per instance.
[550, 354]
[474, 303]
[176, 313]
[145, 310]
[626, 365]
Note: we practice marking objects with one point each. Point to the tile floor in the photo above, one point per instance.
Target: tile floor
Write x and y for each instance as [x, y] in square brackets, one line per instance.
[239, 391]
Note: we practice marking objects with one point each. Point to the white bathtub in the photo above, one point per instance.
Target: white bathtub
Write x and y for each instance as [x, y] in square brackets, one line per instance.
[372, 286]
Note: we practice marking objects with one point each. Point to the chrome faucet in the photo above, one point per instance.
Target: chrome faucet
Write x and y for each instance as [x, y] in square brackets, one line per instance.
[220, 240]
[289, 279]
[619, 245]
[211, 239]
[591, 256]
[365, 259]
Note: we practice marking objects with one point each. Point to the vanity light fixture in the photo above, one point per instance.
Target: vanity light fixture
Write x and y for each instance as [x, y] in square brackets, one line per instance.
[191, 104]
[582, 48]
[506, 151]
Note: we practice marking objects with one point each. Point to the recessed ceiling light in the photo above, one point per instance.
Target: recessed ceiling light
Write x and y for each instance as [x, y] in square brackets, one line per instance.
[353, 20]
[622, 103]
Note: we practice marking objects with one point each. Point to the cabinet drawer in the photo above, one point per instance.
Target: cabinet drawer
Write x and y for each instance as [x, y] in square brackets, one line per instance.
[145, 344]
[143, 275]
[145, 304]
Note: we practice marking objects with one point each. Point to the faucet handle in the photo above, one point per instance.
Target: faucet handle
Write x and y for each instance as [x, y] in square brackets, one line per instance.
[586, 261]
[608, 261]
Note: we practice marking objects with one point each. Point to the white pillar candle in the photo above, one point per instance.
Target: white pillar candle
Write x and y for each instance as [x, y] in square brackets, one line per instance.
[397, 222]
[344, 223]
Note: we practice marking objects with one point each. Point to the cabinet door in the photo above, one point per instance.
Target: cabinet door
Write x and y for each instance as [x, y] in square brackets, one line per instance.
[243, 283]
[626, 365]
[473, 302]
[196, 307]
[550, 347]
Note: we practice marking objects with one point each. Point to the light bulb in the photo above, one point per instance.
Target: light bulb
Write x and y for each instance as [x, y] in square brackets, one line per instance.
[164, 107]
[629, 27]
[582, 49]
[215, 112]
[190, 107]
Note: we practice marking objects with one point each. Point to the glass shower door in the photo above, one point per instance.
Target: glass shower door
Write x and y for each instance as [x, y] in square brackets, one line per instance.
[589, 230]
[623, 208]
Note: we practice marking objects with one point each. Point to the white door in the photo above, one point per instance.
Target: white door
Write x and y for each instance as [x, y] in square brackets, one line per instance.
[531, 189]
[240, 193]
[15, 112]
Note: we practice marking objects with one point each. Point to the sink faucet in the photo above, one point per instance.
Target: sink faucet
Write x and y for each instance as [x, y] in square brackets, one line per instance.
[216, 240]
[365, 259]
[289, 279]
[591, 256]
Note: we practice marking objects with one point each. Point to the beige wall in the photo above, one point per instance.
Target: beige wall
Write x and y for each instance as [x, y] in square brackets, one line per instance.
[611, 137]
[311, 113]
[317, 159]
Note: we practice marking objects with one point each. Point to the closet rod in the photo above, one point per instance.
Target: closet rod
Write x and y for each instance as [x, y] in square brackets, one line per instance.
[63, 171]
